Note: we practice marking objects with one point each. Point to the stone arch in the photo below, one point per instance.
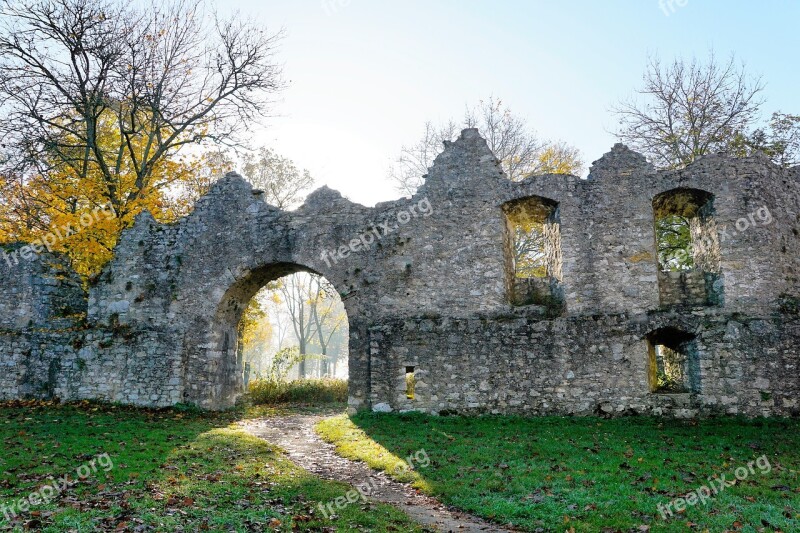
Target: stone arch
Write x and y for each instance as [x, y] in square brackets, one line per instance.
[213, 374]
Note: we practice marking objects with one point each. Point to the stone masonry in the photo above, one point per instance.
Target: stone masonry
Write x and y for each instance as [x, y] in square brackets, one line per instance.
[428, 289]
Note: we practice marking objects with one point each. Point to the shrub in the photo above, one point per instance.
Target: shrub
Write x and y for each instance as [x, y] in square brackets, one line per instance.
[327, 390]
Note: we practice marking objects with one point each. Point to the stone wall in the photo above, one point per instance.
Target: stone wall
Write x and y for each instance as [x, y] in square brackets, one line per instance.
[42, 317]
[425, 282]
[689, 288]
[587, 365]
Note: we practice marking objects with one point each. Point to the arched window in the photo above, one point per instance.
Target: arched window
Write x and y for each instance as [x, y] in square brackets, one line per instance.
[533, 250]
[687, 248]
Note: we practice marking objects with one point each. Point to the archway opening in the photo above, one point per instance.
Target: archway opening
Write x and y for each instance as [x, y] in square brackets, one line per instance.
[293, 342]
[282, 323]
[295, 328]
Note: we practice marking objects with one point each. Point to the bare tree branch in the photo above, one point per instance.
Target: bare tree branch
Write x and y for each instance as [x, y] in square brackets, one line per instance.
[519, 150]
[75, 73]
[688, 109]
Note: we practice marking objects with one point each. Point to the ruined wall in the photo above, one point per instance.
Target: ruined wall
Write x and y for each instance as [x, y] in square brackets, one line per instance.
[587, 365]
[42, 315]
[425, 282]
[689, 288]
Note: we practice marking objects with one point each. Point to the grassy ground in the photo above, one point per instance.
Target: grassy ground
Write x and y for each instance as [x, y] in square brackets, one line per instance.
[172, 471]
[589, 474]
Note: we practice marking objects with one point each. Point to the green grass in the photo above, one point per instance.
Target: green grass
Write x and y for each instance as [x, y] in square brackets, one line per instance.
[313, 391]
[172, 471]
[588, 474]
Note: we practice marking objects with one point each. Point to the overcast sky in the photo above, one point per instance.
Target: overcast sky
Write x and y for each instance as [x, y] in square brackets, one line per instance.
[365, 75]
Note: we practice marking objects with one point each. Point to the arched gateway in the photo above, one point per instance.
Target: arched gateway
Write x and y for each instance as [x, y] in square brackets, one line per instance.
[430, 288]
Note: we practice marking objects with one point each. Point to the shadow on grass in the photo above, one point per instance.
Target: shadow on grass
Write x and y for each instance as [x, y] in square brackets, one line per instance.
[171, 471]
[590, 473]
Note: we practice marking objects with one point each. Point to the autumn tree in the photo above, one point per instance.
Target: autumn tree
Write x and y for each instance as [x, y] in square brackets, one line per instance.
[283, 183]
[55, 210]
[255, 334]
[526, 231]
[196, 176]
[687, 109]
[511, 139]
[103, 100]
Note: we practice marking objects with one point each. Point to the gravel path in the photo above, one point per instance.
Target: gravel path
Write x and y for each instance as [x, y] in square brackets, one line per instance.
[296, 435]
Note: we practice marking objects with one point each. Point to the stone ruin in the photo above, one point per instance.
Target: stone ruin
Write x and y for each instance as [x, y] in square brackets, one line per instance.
[432, 293]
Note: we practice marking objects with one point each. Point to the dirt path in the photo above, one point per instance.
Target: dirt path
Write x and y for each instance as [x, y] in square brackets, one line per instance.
[296, 435]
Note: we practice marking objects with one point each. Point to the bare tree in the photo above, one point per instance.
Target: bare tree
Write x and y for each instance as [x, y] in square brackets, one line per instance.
[508, 136]
[688, 109]
[103, 89]
[414, 160]
[779, 140]
[328, 315]
[519, 150]
[295, 294]
[282, 182]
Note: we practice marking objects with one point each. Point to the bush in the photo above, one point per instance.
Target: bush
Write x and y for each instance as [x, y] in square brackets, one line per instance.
[269, 391]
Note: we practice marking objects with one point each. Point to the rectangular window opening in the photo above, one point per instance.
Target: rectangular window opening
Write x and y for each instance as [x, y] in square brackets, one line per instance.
[674, 362]
[670, 369]
[535, 241]
[533, 250]
[411, 382]
[688, 248]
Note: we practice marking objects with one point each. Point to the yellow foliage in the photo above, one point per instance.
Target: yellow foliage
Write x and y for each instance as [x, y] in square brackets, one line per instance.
[559, 159]
[255, 327]
[81, 213]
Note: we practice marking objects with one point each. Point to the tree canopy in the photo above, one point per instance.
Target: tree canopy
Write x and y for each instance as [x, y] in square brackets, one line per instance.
[686, 109]
[521, 152]
[105, 104]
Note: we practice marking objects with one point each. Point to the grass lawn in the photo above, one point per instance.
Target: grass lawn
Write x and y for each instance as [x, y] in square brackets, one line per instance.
[590, 474]
[167, 471]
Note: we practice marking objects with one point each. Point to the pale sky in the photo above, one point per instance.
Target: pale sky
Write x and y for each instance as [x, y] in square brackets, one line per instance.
[365, 75]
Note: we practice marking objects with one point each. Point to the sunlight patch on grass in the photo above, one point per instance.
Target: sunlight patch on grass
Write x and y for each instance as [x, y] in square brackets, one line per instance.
[172, 471]
[352, 443]
[589, 474]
